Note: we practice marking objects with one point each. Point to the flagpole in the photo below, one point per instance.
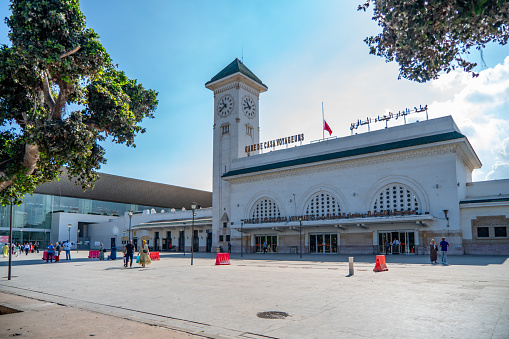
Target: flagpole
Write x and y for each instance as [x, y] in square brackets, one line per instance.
[323, 124]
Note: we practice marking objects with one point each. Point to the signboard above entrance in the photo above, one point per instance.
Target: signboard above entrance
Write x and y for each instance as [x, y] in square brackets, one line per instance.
[274, 143]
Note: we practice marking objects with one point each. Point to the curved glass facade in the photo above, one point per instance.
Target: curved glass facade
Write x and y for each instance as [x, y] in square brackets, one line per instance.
[34, 215]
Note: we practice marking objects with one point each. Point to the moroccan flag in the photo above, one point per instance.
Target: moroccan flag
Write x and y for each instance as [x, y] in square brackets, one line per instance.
[326, 127]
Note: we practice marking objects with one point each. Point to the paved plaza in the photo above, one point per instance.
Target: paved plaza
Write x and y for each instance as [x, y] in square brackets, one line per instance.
[172, 299]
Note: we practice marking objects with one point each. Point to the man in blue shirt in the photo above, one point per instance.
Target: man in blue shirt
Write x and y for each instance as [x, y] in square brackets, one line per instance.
[49, 252]
[443, 246]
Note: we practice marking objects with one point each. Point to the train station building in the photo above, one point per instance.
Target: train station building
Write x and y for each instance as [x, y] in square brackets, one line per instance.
[410, 183]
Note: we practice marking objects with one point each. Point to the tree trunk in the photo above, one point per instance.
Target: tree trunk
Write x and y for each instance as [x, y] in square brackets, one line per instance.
[29, 162]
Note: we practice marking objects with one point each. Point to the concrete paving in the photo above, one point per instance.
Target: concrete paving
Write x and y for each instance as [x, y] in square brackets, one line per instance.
[467, 299]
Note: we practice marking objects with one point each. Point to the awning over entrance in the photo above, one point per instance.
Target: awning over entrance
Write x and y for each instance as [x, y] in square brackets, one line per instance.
[174, 223]
[344, 224]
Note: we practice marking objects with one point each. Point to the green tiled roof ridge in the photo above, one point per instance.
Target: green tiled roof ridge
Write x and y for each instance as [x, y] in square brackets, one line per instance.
[350, 153]
[236, 66]
[478, 201]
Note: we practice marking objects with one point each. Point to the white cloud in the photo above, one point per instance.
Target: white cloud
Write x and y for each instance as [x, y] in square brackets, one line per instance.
[499, 171]
[480, 107]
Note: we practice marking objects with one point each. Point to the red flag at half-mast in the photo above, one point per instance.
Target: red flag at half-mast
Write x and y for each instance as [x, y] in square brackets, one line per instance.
[326, 127]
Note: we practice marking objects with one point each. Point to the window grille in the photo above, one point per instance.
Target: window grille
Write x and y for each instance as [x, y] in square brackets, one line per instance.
[249, 130]
[265, 208]
[225, 129]
[322, 204]
[396, 197]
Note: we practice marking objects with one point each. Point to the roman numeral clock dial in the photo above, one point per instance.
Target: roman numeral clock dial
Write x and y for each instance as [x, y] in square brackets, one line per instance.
[225, 105]
[248, 106]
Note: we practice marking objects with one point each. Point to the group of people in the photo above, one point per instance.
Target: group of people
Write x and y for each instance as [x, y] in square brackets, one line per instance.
[53, 252]
[18, 248]
[395, 243]
[143, 256]
[433, 251]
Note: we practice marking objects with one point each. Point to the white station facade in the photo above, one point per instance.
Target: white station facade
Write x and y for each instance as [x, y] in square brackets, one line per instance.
[348, 195]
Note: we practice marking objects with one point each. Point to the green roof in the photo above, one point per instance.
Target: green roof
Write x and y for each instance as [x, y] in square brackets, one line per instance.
[349, 153]
[480, 201]
[236, 67]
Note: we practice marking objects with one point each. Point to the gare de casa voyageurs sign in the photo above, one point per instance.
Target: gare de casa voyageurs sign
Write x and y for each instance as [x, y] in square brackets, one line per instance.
[274, 143]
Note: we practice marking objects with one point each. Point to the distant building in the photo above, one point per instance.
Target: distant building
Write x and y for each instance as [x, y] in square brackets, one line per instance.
[47, 215]
[348, 195]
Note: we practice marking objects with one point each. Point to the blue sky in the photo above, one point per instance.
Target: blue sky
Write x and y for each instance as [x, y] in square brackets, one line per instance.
[306, 52]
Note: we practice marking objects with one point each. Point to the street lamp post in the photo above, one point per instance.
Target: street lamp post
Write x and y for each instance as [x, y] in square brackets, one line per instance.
[184, 239]
[69, 226]
[10, 243]
[21, 235]
[241, 237]
[130, 217]
[77, 239]
[300, 236]
[193, 208]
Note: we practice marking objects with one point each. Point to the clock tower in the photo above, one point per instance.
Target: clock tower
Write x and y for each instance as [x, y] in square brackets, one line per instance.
[236, 125]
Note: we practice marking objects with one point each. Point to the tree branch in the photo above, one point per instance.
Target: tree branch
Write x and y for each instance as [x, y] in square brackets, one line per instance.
[47, 95]
[70, 52]
[63, 95]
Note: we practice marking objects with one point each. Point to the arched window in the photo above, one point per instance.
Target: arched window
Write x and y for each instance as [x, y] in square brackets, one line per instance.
[265, 208]
[396, 197]
[322, 204]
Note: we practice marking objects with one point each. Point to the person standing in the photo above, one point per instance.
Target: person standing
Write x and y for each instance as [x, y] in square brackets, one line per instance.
[49, 252]
[229, 247]
[27, 248]
[67, 248]
[443, 246]
[396, 246]
[144, 255]
[387, 246]
[58, 248]
[5, 250]
[101, 252]
[433, 251]
[264, 247]
[129, 252]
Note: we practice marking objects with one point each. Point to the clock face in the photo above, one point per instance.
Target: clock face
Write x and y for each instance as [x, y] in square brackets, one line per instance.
[225, 105]
[248, 106]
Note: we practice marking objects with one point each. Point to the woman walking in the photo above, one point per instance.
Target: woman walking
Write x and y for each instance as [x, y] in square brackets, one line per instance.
[144, 255]
[433, 251]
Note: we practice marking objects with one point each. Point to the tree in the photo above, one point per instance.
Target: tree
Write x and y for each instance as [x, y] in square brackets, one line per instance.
[60, 95]
[427, 37]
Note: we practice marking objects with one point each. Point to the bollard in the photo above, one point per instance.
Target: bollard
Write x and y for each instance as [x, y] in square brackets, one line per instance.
[350, 265]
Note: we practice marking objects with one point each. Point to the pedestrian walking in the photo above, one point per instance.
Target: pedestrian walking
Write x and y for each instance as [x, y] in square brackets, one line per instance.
[129, 252]
[144, 255]
[443, 246]
[27, 248]
[433, 251]
[101, 252]
[49, 252]
[5, 250]
[229, 247]
[264, 247]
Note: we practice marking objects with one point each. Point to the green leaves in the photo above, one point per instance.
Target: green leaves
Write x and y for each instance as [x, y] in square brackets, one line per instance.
[429, 37]
[50, 41]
